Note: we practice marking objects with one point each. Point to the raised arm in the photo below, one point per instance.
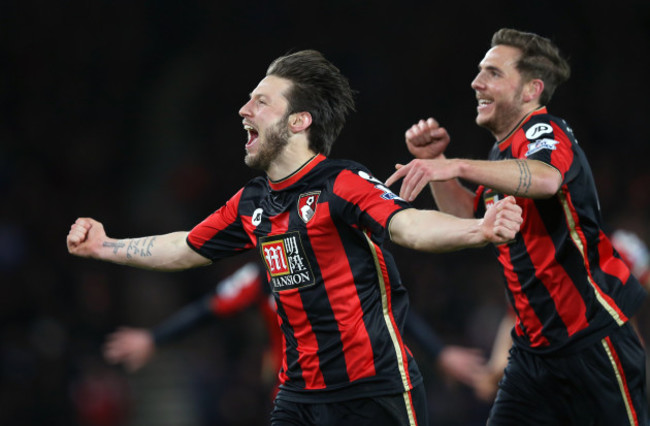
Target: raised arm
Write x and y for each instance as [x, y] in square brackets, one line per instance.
[434, 231]
[522, 178]
[168, 252]
[427, 141]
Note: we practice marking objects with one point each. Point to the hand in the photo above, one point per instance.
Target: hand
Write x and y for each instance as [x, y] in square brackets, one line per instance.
[502, 221]
[85, 237]
[487, 385]
[466, 365]
[132, 347]
[426, 139]
[418, 173]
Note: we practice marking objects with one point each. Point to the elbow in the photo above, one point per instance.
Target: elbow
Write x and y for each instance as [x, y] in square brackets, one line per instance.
[549, 188]
[549, 183]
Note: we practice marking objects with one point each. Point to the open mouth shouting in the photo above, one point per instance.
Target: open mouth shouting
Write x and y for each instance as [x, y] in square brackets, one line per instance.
[253, 135]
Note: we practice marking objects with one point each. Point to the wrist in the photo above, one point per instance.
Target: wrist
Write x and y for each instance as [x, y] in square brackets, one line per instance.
[462, 167]
[109, 249]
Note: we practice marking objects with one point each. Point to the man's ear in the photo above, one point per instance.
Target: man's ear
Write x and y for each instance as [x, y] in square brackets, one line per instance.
[533, 90]
[299, 121]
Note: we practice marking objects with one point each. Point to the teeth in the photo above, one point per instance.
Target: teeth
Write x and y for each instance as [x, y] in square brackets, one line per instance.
[248, 128]
[484, 102]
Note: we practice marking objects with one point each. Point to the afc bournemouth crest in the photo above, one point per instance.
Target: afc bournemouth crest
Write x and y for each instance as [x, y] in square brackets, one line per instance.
[307, 205]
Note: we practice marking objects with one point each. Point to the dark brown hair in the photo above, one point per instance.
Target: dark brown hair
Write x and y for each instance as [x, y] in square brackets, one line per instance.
[540, 58]
[318, 88]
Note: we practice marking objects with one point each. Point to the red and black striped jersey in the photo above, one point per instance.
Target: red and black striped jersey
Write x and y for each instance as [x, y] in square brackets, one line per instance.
[340, 301]
[566, 283]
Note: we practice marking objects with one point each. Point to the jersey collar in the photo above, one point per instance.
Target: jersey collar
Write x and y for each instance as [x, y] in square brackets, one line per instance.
[505, 142]
[294, 177]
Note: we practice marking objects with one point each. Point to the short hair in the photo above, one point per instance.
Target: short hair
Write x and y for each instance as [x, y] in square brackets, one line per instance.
[319, 88]
[540, 58]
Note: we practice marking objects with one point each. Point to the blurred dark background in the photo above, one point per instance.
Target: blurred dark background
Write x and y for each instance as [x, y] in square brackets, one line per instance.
[126, 111]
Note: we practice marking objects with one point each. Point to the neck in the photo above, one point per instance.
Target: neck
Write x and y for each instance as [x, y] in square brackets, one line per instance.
[291, 159]
[525, 112]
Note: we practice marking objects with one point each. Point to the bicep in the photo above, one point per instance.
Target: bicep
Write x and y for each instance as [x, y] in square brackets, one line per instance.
[174, 253]
[415, 229]
[548, 177]
[398, 226]
[193, 259]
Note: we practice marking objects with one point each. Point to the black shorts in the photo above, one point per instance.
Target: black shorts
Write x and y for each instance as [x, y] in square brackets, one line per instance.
[405, 409]
[602, 385]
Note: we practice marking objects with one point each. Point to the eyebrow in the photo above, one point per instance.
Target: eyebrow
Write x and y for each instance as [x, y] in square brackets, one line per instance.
[256, 95]
[489, 68]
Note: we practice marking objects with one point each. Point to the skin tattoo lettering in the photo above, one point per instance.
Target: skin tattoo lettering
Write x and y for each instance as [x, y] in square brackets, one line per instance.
[116, 246]
[137, 247]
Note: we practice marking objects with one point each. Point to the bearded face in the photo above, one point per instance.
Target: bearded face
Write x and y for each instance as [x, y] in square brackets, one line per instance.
[499, 91]
[270, 145]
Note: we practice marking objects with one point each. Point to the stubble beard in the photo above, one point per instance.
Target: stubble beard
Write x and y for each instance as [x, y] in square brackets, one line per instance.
[505, 116]
[276, 139]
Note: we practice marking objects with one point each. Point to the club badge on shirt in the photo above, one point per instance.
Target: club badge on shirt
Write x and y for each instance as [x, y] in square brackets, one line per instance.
[285, 259]
[490, 198]
[307, 204]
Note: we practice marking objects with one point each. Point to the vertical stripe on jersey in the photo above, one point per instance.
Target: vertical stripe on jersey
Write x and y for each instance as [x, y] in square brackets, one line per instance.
[525, 312]
[284, 366]
[300, 327]
[579, 240]
[622, 382]
[391, 326]
[567, 299]
[306, 343]
[343, 298]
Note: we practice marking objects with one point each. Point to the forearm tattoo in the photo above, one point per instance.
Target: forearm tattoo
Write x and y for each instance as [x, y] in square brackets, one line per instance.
[137, 247]
[525, 178]
[140, 247]
[116, 246]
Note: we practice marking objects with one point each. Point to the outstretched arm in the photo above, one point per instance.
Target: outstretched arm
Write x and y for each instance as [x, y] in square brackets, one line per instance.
[426, 141]
[522, 178]
[434, 231]
[134, 347]
[168, 252]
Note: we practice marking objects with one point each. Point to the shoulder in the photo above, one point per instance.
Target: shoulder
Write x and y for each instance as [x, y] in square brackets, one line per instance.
[542, 126]
[255, 186]
[339, 165]
[335, 170]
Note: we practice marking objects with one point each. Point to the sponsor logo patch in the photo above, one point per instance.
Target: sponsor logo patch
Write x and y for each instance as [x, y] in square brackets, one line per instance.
[257, 217]
[285, 259]
[387, 193]
[307, 204]
[541, 144]
[538, 130]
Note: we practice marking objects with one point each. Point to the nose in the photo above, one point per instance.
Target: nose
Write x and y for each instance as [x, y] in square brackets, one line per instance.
[477, 83]
[245, 110]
